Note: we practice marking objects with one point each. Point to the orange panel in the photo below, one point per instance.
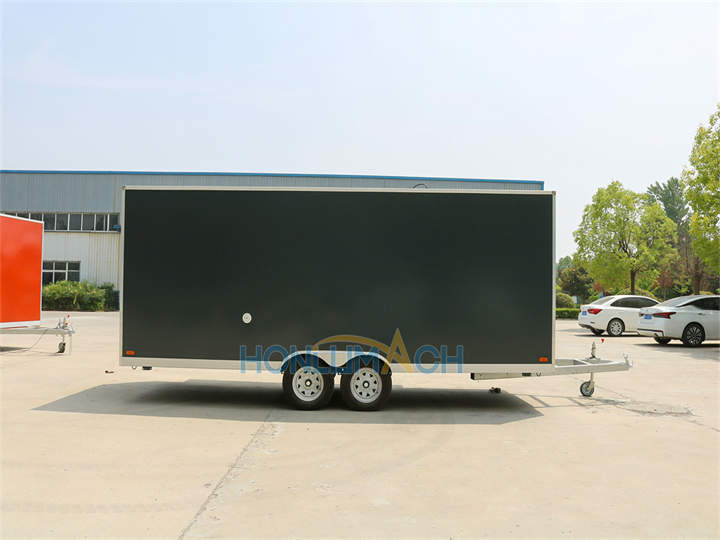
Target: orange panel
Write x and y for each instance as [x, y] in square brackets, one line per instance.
[20, 270]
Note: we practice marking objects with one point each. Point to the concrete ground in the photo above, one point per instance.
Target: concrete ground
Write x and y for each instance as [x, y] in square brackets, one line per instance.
[90, 449]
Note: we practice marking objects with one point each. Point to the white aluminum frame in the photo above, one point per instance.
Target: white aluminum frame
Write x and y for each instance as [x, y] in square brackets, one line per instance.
[341, 357]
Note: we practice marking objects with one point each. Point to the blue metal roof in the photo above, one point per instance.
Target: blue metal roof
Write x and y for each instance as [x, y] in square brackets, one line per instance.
[286, 175]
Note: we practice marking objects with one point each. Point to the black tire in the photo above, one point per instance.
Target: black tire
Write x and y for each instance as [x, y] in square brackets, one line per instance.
[61, 347]
[367, 376]
[662, 340]
[317, 380]
[615, 327]
[597, 331]
[586, 389]
[693, 335]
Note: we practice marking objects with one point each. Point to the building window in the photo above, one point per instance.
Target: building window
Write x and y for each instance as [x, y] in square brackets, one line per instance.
[54, 221]
[61, 222]
[88, 222]
[60, 271]
[49, 222]
[75, 222]
[101, 222]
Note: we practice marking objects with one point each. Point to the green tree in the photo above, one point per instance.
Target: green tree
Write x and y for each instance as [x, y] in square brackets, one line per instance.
[702, 179]
[689, 267]
[563, 263]
[622, 235]
[671, 197]
[576, 282]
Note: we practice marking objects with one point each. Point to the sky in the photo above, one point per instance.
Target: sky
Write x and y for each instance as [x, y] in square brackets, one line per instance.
[576, 95]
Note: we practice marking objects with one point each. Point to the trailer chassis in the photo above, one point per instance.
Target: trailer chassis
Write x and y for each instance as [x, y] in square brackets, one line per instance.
[63, 329]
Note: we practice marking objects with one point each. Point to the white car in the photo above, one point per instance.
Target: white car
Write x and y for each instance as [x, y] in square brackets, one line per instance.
[693, 319]
[613, 314]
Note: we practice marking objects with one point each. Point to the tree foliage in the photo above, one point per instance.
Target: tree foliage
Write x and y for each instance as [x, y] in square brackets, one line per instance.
[702, 178]
[563, 300]
[670, 195]
[688, 268]
[622, 235]
[563, 263]
[576, 282]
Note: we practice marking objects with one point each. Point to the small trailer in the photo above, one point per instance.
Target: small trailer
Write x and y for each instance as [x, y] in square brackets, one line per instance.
[315, 283]
[21, 246]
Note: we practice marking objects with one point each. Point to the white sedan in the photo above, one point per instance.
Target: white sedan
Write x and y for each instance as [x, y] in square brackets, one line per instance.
[692, 319]
[613, 314]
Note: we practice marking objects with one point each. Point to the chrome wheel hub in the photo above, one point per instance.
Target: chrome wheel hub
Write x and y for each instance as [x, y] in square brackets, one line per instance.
[366, 385]
[308, 383]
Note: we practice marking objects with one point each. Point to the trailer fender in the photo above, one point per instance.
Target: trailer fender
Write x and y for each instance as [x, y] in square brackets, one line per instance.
[337, 361]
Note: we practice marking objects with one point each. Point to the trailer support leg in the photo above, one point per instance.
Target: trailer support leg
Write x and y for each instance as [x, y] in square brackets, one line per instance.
[588, 387]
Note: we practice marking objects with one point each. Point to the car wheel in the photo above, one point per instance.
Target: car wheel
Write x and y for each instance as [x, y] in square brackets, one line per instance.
[662, 340]
[615, 328]
[693, 335]
[597, 331]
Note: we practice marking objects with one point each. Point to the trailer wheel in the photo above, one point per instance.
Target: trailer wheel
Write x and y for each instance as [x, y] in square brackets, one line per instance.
[308, 384]
[587, 388]
[368, 386]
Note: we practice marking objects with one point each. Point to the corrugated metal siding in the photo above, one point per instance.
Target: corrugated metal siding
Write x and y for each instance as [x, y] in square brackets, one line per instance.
[97, 253]
[101, 192]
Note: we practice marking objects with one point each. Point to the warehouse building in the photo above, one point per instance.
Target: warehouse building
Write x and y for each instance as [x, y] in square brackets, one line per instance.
[81, 209]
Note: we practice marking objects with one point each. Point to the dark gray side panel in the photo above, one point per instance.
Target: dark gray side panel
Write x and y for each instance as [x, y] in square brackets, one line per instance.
[445, 268]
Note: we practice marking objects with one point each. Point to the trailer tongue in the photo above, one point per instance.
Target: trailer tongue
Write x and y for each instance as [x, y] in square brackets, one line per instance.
[567, 366]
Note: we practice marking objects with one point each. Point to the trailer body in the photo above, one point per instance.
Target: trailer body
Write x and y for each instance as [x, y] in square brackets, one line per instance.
[470, 271]
[303, 279]
[20, 271]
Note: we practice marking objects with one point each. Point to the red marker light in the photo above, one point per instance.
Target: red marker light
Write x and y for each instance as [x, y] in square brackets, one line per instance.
[543, 358]
[129, 352]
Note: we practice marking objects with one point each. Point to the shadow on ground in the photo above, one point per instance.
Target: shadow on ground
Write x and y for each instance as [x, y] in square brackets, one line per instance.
[604, 336]
[257, 401]
[675, 345]
[676, 350]
[12, 349]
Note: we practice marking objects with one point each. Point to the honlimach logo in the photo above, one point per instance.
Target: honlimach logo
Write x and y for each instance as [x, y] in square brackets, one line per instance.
[427, 358]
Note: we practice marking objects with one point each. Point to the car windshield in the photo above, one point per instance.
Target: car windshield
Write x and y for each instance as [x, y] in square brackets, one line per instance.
[603, 300]
[677, 301]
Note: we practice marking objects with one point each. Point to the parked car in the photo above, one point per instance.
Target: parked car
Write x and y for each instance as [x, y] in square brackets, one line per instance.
[693, 319]
[613, 314]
